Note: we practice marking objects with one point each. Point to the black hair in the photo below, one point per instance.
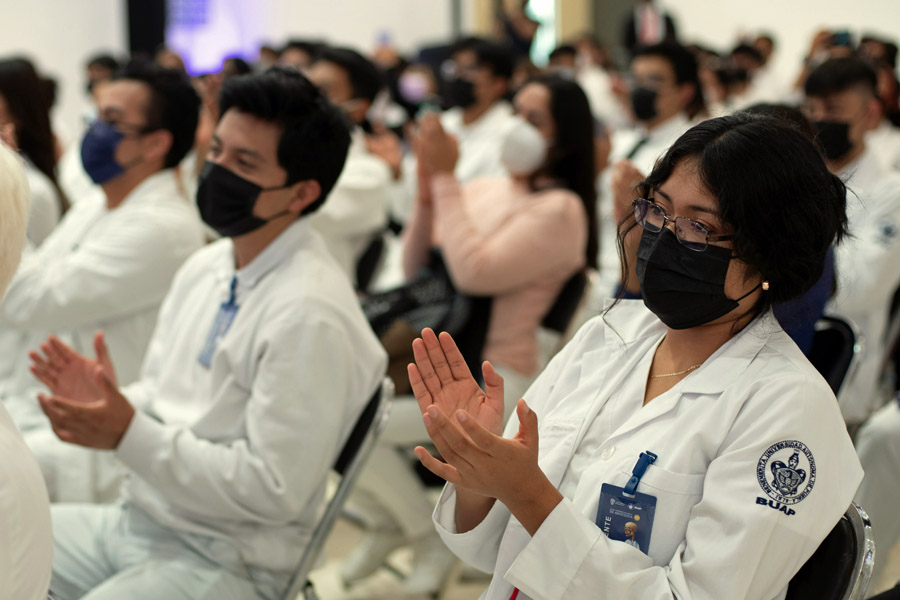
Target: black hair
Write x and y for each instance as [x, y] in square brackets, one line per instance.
[684, 65]
[365, 78]
[315, 134]
[174, 105]
[564, 50]
[235, 65]
[498, 58]
[571, 157]
[788, 114]
[773, 188]
[105, 61]
[28, 103]
[890, 49]
[748, 50]
[311, 47]
[841, 74]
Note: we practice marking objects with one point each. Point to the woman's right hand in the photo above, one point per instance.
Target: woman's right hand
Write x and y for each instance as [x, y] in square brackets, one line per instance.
[441, 378]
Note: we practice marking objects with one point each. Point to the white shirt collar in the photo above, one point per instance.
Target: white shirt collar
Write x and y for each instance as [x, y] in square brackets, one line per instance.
[286, 244]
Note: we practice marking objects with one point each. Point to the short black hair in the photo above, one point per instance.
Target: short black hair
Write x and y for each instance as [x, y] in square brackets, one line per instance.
[787, 113]
[365, 78]
[315, 134]
[564, 50]
[237, 66]
[174, 105]
[840, 74]
[498, 58]
[104, 61]
[786, 208]
[748, 50]
[684, 65]
[311, 47]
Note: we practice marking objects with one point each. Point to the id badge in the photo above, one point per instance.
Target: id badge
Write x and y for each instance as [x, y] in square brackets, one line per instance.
[224, 318]
[626, 518]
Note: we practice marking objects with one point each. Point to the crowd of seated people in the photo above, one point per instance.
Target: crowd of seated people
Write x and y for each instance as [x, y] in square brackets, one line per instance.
[596, 281]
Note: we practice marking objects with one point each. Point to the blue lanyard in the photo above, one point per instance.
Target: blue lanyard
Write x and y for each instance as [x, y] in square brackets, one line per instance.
[220, 327]
[644, 460]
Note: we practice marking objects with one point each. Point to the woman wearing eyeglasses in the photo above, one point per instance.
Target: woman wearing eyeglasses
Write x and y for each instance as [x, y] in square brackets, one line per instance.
[688, 424]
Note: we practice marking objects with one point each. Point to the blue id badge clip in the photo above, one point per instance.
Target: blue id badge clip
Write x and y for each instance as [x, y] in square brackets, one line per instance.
[626, 515]
[224, 318]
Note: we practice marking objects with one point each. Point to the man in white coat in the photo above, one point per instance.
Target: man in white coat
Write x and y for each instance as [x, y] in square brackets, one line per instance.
[841, 100]
[478, 115]
[26, 543]
[665, 95]
[109, 263]
[357, 209]
[260, 365]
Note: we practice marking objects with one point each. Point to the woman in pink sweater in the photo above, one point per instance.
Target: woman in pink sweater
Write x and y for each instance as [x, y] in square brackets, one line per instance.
[516, 239]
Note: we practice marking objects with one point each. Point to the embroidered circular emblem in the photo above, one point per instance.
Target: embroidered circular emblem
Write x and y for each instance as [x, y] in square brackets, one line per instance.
[787, 471]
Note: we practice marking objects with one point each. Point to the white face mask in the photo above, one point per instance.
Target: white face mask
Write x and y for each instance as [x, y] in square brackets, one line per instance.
[524, 149]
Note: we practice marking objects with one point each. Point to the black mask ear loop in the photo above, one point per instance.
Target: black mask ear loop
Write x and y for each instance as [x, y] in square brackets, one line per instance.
[762, 285]
[275, 189]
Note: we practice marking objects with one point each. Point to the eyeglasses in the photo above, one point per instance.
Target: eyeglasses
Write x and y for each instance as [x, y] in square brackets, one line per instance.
[691, 234]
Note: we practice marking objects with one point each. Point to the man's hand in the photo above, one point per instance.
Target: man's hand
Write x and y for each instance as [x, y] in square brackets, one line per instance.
[625, 178]
[99, 423]
[437, 149]
[385, 144]
[69, 374]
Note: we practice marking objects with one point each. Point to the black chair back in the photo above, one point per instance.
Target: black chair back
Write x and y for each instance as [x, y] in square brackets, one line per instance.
[829, 571]
[367, 264]
[833, 349]
[560, 314]
[841, 567]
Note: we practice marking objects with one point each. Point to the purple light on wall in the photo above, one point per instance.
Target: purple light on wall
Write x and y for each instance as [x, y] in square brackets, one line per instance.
[205, 32]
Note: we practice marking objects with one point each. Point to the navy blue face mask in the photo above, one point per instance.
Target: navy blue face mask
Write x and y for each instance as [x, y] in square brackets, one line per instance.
[98, 152]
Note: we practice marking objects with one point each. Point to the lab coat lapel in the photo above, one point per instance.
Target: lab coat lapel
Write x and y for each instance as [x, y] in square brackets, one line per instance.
[716, 374]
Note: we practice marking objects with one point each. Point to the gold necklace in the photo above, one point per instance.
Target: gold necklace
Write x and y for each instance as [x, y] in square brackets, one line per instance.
[688, 370]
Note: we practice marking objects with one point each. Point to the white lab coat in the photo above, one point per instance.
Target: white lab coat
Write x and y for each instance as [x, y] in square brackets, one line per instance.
[44, 213]
[104, 270]
[884, 142]
[658, 141]
[867, 265]
[241, 450]
[26, 542]
[357, 208]
[715, 535]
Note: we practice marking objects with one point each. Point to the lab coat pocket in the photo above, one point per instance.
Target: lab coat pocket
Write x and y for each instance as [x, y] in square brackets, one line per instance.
[676, 494]
[556, 440]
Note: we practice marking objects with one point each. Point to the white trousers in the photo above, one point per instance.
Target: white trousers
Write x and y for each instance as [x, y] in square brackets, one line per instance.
[389, 493]
[112, 552]
[878, 446]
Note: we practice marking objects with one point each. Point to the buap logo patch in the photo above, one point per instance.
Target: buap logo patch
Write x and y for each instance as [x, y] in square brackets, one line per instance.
[787, 472]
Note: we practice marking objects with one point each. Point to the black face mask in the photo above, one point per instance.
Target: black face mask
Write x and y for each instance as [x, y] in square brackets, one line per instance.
[459, 92]
[226, 201]
[834, 136]
[643, 101]
[682, 287]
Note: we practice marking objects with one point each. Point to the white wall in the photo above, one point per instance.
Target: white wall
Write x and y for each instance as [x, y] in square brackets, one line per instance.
[791, 22]
[240, 26]
[58, 35]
